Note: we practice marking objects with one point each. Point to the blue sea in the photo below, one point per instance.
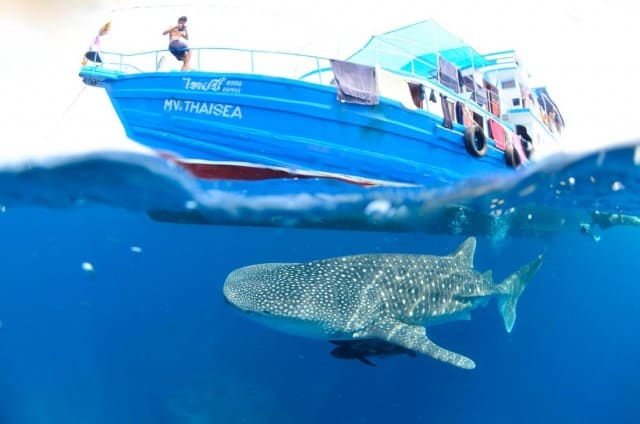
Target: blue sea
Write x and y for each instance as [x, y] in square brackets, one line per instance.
[111, 306]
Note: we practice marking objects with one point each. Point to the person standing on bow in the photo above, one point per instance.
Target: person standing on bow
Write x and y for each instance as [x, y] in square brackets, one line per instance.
[93, 54]
[177, 42]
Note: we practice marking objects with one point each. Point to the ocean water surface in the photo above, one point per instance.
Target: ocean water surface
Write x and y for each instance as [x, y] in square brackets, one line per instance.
[111, 306]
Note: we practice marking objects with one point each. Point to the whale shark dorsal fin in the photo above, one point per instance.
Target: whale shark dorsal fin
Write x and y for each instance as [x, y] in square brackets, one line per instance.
[488, 275]
[465, 252]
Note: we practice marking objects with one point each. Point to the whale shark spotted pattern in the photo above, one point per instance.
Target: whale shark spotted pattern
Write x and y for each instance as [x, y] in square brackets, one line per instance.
[391, 297]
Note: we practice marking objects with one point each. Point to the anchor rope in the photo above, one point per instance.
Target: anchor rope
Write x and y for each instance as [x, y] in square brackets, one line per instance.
[66, 111]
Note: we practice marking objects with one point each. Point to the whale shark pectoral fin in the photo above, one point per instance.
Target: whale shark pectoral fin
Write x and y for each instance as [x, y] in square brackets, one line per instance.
[414, 338]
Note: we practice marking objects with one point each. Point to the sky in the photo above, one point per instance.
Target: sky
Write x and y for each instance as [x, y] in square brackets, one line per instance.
[582, 51]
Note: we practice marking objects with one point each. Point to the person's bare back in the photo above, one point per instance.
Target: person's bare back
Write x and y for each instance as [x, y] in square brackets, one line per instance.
[178, 47]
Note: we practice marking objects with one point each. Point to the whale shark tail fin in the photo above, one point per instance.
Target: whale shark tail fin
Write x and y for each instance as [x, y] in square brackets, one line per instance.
[511, 289]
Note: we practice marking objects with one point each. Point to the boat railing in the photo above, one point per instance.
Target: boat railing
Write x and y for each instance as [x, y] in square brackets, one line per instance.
[297, 66]
[221, 59]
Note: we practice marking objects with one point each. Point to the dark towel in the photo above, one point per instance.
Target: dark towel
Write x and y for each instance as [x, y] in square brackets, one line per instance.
[448, 74]
[355, 83]
[480, 96]
[417, 94]
[447, 122]
[459, 113]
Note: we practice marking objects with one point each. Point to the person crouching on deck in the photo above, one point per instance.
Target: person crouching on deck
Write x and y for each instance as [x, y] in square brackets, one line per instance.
[177, 46]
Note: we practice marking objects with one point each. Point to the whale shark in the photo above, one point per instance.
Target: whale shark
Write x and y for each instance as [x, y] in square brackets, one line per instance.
[390, 297]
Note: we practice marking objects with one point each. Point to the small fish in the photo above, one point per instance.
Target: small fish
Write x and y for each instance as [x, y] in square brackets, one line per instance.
[362, 349]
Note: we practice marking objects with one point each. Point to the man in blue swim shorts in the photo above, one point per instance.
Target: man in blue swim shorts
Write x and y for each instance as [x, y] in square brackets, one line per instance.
[177, 44]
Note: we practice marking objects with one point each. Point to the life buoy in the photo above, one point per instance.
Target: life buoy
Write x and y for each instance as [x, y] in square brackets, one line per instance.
[475, 141]
[511, 156]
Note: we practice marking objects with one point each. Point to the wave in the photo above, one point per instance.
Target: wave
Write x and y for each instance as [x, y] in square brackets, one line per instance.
[566, 192]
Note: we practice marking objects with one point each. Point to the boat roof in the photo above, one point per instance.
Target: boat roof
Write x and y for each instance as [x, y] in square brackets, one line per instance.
[415, 48]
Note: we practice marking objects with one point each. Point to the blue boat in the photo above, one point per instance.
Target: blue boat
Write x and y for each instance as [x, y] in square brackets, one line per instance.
[413, 106]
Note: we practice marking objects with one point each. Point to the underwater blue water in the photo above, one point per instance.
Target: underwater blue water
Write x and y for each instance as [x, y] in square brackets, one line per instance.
[143, 335]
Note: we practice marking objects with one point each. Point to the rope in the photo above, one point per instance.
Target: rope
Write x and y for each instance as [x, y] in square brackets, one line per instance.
[66, 111]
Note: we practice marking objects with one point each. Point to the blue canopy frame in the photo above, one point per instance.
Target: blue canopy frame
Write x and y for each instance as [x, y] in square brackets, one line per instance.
[415, 49]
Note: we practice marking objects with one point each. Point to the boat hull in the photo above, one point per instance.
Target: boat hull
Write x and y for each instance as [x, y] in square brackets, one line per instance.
[206, 118]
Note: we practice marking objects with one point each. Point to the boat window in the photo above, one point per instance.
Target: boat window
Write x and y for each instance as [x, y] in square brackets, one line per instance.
[509, 83]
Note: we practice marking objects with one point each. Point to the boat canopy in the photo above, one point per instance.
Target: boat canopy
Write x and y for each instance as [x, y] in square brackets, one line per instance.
[417, 49]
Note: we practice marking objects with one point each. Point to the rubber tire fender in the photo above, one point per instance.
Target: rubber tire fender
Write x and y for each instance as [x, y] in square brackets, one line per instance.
[475, 141]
